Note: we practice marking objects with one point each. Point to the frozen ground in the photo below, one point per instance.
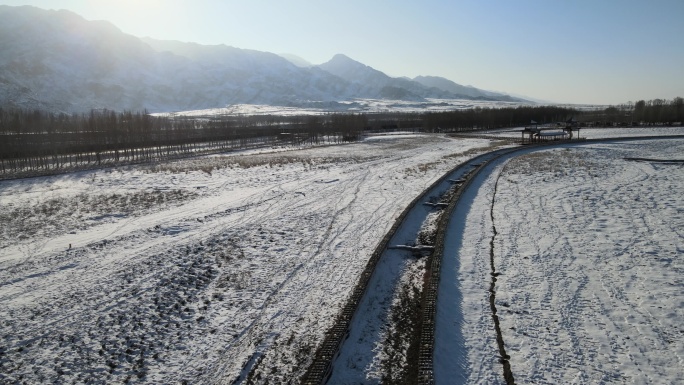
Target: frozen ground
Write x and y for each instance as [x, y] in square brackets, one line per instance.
[200, 270]
[206, 269]
[355, 106]
[589, 248]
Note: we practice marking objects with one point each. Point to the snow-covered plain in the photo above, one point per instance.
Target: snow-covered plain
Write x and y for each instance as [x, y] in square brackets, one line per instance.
[206, 269]
[361, 105]
[199, 270]
[588, 251]
[351, 106]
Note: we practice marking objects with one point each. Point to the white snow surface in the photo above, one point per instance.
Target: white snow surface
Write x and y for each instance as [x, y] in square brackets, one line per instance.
[590, 251]
[348, 106]
[203, 269]
[198, 270]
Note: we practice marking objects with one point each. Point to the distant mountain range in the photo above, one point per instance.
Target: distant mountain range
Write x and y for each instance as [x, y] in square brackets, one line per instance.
[58, 61]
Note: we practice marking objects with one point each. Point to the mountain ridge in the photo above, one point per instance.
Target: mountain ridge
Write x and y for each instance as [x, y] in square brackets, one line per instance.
[57, 60]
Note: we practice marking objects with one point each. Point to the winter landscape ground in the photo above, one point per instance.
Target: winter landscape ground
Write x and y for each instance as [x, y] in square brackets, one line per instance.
[198, 270]
[587, 247]
[358, 105]
[229, 268]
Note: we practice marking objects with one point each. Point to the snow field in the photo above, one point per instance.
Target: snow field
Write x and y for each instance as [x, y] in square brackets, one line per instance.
[351, 106]
[589, 248]
[212, 269]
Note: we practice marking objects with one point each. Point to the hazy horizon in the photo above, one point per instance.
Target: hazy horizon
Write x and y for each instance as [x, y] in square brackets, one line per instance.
[580, 52]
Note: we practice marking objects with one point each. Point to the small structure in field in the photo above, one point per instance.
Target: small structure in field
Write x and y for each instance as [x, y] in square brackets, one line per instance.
[550, 132]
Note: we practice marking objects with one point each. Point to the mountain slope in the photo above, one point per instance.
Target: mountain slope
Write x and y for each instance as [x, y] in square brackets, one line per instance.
[464, 91]
[249, 76]
[57, 60]
[376, 84]
[296, 60]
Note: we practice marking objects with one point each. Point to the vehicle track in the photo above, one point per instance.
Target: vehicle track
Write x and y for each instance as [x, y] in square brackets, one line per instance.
[320, 370]
[304, 273]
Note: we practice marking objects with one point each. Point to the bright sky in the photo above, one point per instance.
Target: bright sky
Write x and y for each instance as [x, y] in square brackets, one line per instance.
[570, 51]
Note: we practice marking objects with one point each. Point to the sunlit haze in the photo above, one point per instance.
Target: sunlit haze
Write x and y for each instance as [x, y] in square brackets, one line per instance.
[598, 52]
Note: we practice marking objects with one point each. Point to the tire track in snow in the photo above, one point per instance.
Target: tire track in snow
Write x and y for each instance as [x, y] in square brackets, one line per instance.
[311, 266]
[320, 370]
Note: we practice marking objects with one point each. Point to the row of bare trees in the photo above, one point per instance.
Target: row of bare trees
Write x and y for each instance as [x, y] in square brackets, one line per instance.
[33, 140]
[659, 111]
[489, 118]
[38, 140]
[651, 112]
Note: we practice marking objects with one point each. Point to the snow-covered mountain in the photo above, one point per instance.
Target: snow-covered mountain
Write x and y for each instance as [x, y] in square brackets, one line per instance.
[465, 91]
[296, 60]
[59, 61]
[375, 84]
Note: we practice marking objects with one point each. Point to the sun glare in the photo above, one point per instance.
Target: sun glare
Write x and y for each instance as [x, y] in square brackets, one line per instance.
[154, 18]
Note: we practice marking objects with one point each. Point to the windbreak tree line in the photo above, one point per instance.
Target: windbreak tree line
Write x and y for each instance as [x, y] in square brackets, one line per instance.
[651, 112]
[468, 119]
[659, 111]
[34, 140]
[489, 118]
[38, 140]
